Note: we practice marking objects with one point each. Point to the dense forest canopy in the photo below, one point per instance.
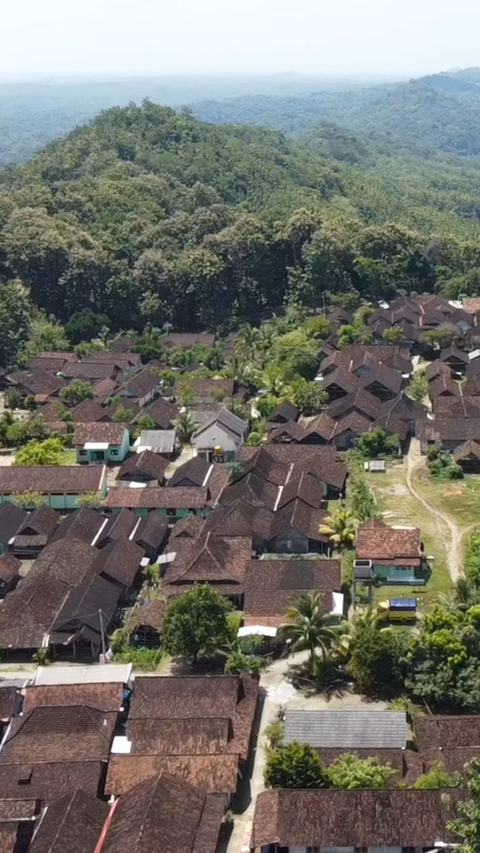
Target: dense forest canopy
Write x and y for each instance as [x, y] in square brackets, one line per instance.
[34, 113]
[147, 216]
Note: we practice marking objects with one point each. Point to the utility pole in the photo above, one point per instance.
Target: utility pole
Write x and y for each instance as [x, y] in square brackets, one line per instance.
[104, 652]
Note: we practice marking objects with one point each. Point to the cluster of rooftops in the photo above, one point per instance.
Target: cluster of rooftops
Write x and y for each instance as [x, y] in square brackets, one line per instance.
[96, 760]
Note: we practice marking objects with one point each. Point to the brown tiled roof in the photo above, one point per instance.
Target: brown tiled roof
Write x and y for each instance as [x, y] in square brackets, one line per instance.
[38, 382]
[471, 387]
[377, 541]
[198, 696]
[457, 407]
[211, 559]
[471, 304]
[212, 773]
[73, 823]
[455, 354]
[341, 378]
[297, 516]
[9, 567]
[283, 413]
[290, 431]
[443, 385]
[141, 383]
[253, 490]
[11, 518]
[145, 464]
[238, 519]
[104, 388]
[468, 450]
[67, 733]
[218, 481]
[130, 405]
[193, 472]
[188, 339]
[38, 527]
[102, 697]
[88, 412]
[270, 586]
[161, 498]
[190, 526]
[8, 697]
[264, 464]
[180, 736]
[120, 561]
[49, 780]
[83, 523]
[69, 565]
[323, 426]
[305, 487]
[89, 371]
[79, 613]
[323, 461]
[161, 411]
[449, 429]
[165, 814]
[354, 422]
[364, 402]
[53, 363]
[11, 810]
[152, 531]
[122, 344]
[384, 376]
[51, 478]
[437, 368]
[121, 359]
[362, 818]
[121, 524]
[149, 613]
[99, 431]
[392, 425]
[433, 732]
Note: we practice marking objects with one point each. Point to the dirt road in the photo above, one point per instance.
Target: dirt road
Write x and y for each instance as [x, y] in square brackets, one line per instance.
[455, 533]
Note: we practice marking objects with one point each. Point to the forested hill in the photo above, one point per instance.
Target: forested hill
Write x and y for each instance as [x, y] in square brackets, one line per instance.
[147, 216]
[438, 113]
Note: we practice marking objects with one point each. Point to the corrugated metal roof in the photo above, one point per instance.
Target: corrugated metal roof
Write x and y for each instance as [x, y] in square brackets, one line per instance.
[347, 729]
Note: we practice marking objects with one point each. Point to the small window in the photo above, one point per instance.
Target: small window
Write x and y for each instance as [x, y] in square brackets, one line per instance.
[289, 544]
[114, 452]
[171, 513]
[83, 452]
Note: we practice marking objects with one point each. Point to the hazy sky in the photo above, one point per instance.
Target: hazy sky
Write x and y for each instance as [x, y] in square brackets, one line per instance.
[68, 37]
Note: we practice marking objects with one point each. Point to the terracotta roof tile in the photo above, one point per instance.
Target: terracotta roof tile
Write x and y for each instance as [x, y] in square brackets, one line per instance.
[161, 498]
[146, 465]
[49, 780]
[216, 774]
[377, 541]
[72, 823]
[67, 733]
[270, 585]
[102, 697]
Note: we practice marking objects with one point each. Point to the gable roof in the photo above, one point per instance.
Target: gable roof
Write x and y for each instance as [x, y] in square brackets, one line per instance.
[437, 368]
[165, 813]
[117, 526]
[120, 561]
[347, 729]
[444, 385]
[83, 523]
[196, 470]
[433, 732]
[361, 400]
[37, 382]
[79, 614]
[384, 376]
[111, 433]
[49, 780]
[359, 818]
[72, 479]
[11, 518]
[59, 734]
[186, 340]
[152, 531]
[226, 421]
[190, 527]
[217, 773]
[210, 559]
[205, 387]
[88, 411]
[162, 411]
[41, 522]
[449, 429]
[468, 450]
[157, 498]
[73, 823]
[121, 358]
[342, 379]
[9, 567]
[377, 541]
[455, 354]
[284, 412]
[141, 384]
[323, 461]
[89, 370]
[270, 586]
[457, 407]
[103, 696]
[147, 463]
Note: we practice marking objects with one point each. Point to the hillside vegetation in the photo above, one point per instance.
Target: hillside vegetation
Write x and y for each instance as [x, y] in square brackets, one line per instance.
[146, 216]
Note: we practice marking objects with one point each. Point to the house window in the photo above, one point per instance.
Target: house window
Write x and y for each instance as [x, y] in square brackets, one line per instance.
[289, 544]
[171, 513]
[83, 452]
[114, 451]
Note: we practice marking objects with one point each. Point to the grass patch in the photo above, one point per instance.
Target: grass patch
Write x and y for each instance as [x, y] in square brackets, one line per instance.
[68, 457]
[398, 506]
[458, 499]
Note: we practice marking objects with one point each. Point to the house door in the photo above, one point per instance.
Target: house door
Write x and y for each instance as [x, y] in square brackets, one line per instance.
[99, 455]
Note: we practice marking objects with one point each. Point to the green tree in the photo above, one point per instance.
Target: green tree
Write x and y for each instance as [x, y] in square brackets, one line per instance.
[435, 777]
[418, 386]
[196, 622]
[151, 575]
[442, 337]
[340, 527]
[393, 335]
[238, 663]
[32, 429]
[309, 397]
[466, 824]
[361, 501]
[48, 452]
[77, 391]
[85, 325]
[372, 445]
[307, 628]
[297, 765]
[15, 322]
[89, 499]
[124, 416]
[376, 658]
[29, 500]
[350, 772]
[14, 398]
[186, 428]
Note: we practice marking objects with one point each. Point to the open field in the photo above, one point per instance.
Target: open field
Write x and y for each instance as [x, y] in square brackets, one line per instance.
[399, 506]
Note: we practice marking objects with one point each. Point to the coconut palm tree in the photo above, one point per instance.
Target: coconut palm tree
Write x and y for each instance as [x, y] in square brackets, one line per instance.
[307, 628]
[340, 527]
[271, 379]
[186, 428]
[350, 631]
[465, 595]
[247, 340]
